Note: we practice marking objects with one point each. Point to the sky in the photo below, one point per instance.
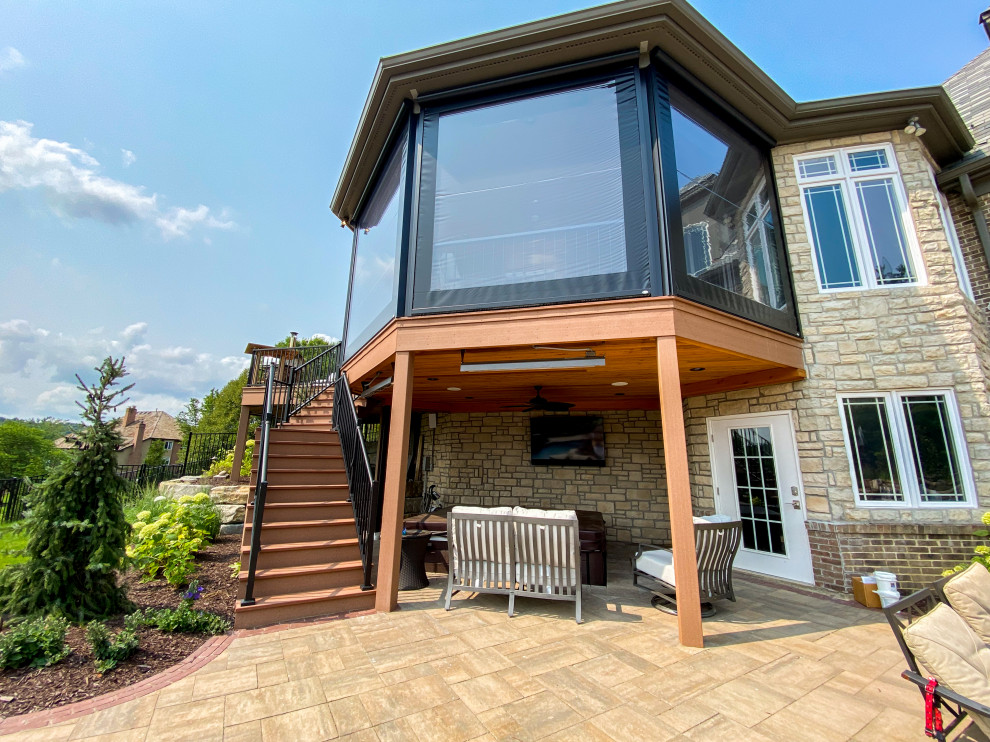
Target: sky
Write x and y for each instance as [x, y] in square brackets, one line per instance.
[166, 167]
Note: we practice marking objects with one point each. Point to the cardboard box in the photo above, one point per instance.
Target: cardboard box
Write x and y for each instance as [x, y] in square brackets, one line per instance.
[865, 593]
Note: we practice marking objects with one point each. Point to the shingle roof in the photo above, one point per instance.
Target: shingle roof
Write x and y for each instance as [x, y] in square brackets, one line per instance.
[157, 424]
[969, 89]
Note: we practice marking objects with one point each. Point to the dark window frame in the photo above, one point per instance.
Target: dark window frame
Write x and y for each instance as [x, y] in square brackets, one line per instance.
[536, 293]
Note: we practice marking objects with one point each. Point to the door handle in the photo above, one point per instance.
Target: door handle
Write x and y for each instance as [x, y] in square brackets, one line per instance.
[796, 501]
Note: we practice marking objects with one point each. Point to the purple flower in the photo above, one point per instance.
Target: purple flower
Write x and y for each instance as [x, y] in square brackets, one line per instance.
[193, 592]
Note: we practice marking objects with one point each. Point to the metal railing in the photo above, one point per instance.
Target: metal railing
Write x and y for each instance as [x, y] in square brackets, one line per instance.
[284, 398]
[12, 495]
[308, 381]
[200, 450]
[364, 491]
[141, 475]
[281, 361]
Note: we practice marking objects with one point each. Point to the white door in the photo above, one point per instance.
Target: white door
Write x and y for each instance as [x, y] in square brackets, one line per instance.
[757, 480]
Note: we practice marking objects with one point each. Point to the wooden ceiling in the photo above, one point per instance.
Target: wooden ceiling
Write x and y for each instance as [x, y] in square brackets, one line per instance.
[440, 385]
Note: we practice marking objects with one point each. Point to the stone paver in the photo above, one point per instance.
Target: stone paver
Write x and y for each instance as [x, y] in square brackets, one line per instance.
[779, 664]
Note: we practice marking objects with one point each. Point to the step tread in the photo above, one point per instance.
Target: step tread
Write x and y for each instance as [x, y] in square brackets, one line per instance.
[312, 504]
[312, 569]
[305, 486]
[305, 523]
[309, 596]
[302, 545]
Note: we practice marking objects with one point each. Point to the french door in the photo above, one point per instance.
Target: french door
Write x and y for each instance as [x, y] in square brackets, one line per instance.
[757, 481]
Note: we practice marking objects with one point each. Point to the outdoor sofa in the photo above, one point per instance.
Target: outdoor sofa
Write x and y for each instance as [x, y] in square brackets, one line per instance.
[515, 551]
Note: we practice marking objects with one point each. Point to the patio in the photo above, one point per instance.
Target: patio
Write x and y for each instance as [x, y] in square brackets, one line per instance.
[778, 665]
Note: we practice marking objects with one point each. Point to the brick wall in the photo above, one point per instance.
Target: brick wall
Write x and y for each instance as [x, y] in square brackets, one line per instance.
[972, 249]
[916, 554]
[484, 459]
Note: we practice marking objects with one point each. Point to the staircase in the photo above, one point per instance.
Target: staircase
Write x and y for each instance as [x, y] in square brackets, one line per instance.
[310, 562]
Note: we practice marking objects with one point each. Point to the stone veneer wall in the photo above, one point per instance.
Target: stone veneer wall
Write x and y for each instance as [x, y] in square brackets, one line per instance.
[483, 459]
[929, 336]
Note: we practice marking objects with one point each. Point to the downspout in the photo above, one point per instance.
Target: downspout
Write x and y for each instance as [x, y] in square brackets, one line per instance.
[976, 211]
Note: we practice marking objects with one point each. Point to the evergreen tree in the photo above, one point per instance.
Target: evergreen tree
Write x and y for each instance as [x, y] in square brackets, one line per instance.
[75, 523]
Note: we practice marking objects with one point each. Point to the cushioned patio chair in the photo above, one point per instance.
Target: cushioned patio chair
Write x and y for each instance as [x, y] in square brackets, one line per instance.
[716, 540]
[968, 592]
[938, 643]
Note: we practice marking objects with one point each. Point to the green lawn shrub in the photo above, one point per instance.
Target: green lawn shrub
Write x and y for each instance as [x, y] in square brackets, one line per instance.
[183, 620]
[38, 642]
[166, 545]
[109, 649]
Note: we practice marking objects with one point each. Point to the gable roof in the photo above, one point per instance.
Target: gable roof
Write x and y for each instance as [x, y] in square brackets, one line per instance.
[157, 425]
[686, 40]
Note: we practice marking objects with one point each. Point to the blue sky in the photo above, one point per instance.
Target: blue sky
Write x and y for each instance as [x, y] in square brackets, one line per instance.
[165, 168]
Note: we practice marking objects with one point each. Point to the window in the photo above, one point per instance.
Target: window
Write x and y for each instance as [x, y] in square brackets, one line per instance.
[957, 255]
[727, 219]
[533, 199]
[857, 219]
[905, 449]
[168, 445]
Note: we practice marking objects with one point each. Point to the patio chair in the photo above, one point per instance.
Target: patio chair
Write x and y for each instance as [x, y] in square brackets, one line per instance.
[968, 592]
[716, 543]
[937, 642]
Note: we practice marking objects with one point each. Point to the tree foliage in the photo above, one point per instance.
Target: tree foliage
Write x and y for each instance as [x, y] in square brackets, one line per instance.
[25, 451]
[75, 523]
[156, 455]
[222, 408]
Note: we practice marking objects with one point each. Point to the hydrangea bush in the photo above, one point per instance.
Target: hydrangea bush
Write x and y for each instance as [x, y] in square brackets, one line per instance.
[167, 545]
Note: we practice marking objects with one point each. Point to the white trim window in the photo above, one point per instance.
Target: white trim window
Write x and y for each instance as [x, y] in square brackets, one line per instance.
[855, 210]
[957, 254]
[906, 449]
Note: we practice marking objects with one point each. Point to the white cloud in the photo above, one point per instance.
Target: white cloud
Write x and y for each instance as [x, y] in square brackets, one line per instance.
[11, 59]
[38, 368]
[70, 180]
[128, 157]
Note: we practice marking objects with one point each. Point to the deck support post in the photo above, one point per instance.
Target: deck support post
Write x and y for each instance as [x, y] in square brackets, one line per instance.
[675, 457]
[240, 443]
[393, 501]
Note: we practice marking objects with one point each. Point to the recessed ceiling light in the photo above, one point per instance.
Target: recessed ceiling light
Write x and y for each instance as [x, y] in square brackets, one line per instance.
[698, 368]
[453, 388]
[620, 383]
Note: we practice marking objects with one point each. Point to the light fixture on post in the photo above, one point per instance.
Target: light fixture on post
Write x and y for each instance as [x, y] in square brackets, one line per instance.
[914, 127]
[589, 360]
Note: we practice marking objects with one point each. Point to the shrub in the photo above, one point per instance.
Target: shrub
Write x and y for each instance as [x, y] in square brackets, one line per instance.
[75, 522]
[109, 650]
[226, 462]
[981, 552]
[183, 620]
[167, 545]
[39, 642]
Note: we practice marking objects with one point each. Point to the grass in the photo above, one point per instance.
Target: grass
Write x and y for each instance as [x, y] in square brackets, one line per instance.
[11, 541]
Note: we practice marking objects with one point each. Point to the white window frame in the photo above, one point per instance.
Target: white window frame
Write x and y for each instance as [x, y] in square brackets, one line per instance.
[902, 450]
[168, 445]
[846, 179]
[949, 224]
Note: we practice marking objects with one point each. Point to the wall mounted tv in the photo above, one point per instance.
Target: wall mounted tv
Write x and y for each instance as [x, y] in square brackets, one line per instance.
[566, 440]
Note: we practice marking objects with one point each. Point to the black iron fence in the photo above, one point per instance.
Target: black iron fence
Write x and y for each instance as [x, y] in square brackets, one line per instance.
[202, 449]
[141, 475]
[365, 492]
[280, 362]
[12, 495]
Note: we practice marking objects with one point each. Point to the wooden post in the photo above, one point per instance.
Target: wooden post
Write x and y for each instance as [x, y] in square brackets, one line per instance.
[393, 501]
[679, 495]
[240, 442]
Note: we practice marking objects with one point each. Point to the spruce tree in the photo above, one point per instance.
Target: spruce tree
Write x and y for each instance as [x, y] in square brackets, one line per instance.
[75, 521]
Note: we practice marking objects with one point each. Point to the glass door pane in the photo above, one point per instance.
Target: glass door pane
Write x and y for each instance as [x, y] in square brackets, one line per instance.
[757, 490]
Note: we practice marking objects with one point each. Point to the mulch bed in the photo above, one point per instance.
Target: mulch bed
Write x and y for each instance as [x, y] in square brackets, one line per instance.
[75, 678]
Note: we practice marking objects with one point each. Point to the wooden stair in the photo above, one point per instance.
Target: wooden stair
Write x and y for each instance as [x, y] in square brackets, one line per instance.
[310, 563]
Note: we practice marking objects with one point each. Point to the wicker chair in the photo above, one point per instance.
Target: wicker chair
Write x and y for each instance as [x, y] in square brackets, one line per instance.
[716, 544]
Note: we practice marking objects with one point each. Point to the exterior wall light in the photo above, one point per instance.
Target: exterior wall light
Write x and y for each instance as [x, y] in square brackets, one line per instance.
[914, 127]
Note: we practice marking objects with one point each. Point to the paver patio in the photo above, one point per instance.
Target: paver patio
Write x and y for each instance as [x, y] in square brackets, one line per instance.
[778, 665]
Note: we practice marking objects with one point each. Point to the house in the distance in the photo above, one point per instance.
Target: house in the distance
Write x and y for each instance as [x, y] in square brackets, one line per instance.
[140, 429]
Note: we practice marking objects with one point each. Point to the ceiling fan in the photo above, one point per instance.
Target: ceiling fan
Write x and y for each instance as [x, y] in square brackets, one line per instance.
[542, 404]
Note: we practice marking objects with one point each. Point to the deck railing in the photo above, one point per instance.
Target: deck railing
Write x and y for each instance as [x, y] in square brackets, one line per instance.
[364, 491]
[12, 495]
[284, 398]
[281, 361]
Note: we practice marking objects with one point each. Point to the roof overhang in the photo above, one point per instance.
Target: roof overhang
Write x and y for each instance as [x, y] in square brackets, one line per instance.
[686, 39]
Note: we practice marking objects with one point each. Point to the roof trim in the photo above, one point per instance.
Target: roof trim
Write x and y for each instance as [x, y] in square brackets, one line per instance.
[683, 35]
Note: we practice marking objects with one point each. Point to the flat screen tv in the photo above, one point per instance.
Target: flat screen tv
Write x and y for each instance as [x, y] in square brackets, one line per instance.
[565, 440]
